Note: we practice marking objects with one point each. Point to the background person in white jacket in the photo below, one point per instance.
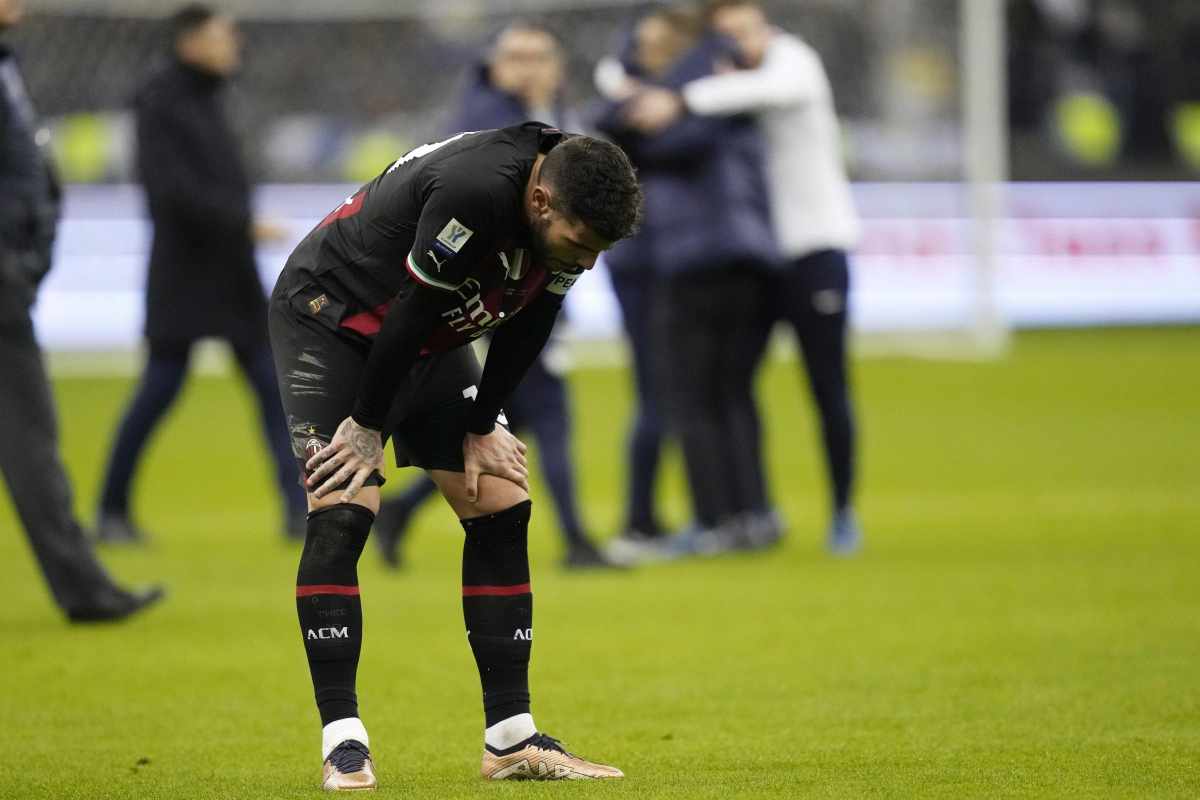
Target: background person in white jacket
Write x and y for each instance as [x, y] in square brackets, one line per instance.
[785, 87]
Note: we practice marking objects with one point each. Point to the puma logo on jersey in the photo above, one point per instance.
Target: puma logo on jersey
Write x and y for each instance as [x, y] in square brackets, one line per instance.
[514, 267]
[433, 257]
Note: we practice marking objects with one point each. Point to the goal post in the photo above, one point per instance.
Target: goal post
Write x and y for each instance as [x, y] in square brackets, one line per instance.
[985, 160]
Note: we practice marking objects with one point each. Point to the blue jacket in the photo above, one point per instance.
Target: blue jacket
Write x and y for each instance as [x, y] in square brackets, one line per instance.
[707, 205]
[482, 106]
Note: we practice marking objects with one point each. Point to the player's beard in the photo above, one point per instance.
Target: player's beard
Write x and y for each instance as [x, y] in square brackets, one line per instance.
[540, 249]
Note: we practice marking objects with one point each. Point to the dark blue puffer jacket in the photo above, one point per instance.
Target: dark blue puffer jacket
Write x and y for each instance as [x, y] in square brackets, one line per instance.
[482, 106]
[707, 204]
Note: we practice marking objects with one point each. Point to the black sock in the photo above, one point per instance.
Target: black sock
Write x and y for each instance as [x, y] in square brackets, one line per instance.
[329, 607]
[498, 608]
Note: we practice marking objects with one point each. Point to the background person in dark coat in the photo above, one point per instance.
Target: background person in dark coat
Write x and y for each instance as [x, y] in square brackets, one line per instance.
[202, 279]
[782, 85]
[29, 207]
[708, 222]
[521, 80]
[656, 43]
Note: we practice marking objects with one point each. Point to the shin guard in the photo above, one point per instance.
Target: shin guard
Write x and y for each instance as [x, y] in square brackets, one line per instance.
[328, 605]
[498, 608]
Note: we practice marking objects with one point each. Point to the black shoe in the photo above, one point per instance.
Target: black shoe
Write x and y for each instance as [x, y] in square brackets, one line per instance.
[582, 554]
[115, 604]
[119, 529]
[391, 524]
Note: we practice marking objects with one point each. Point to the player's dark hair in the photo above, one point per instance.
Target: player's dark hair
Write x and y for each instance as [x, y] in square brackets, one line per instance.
[684, 18]
[595, 183]
[712, 7]
[187, 19]
[531, 25]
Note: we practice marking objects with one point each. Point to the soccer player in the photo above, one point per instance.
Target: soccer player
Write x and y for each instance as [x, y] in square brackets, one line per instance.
[784, 87]
[523, 77]
[370, 325]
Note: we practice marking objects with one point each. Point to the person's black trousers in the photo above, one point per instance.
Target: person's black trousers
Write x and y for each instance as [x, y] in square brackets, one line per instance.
[711, 335]
[812, 294]
[157, 390]
[540, 404]
[636, 294]
[34, 473]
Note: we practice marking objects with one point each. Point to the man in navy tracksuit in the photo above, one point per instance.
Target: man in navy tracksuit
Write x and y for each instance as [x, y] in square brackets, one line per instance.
[710, 241]
[520, 80]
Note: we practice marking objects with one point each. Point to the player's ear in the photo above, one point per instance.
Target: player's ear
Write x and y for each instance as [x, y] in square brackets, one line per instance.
[541, 199]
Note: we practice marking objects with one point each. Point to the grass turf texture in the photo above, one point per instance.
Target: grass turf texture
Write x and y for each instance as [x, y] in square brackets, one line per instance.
[1023, 623]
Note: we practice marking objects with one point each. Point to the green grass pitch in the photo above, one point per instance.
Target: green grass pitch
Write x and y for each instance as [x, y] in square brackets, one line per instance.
[1024, 621]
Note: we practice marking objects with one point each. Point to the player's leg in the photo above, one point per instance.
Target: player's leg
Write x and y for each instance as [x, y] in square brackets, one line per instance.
[636, 292]
[162, 378]
[329, 608]
[498, 613]
[497, 597]
[318, 374]
[817, 289]
[254, 359]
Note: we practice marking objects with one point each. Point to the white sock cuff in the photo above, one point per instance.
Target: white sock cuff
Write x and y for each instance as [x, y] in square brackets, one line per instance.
[507, 732]
[339, 731]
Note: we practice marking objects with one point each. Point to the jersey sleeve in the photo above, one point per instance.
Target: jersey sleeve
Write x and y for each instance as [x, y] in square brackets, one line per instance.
[455, 233]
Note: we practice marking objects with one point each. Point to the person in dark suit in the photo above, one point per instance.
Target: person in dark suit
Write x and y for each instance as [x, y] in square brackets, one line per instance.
[41, 493]
[521, 79]
[203, 282]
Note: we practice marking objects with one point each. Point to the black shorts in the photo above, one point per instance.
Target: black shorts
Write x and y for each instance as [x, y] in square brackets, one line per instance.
[319, 369]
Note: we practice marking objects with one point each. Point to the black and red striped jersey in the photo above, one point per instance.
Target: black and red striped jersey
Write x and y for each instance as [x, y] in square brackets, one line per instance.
[449, 215]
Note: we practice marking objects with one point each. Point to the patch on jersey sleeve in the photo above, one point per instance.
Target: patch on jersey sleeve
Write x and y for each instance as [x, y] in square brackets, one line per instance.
[455, 235]
[561, 282]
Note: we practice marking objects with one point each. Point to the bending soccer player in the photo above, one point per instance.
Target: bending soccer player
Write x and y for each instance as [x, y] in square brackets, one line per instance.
[370, 325]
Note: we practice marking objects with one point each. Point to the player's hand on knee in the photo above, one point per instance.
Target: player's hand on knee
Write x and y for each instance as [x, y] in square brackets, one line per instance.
[352, 455]
[498, 453]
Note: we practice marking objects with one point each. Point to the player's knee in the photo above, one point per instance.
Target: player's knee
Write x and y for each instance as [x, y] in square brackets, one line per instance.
[333, 543]
[368, 497]
[499, 495]
[495, 494]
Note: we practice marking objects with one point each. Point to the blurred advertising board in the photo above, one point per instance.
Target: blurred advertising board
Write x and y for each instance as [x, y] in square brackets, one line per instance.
[1068, 254]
